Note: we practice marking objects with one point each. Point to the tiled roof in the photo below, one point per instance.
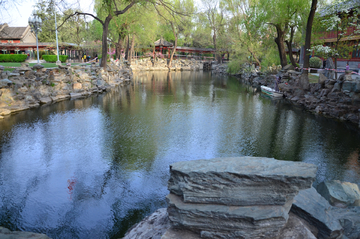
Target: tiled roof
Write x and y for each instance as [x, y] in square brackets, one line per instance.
[9, 33]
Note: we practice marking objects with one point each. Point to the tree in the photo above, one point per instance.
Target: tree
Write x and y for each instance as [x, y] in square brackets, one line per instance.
[112, 10]
[175, 14]
[214, 11]
[246, 35]
[286, 17]
[304, 78]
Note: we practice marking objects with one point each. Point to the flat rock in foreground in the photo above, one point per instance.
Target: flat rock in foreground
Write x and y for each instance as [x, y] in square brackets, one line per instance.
[313, 208]
[220, 221]
[240, 181]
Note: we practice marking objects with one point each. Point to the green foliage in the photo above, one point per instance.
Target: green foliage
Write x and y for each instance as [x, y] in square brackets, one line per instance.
[53, 58]
[72, 31]
[234, 66]
[12, 58]
[315, 62]
[270, 58]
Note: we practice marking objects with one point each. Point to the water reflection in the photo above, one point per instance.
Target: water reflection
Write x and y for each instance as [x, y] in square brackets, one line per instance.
[91, 168]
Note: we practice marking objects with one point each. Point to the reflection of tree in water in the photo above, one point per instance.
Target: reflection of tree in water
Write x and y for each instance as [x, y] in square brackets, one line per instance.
[353, 163]
[13, 204]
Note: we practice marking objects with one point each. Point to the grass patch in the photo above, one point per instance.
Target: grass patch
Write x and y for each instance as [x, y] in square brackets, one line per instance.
[46, 65]
[313, 79]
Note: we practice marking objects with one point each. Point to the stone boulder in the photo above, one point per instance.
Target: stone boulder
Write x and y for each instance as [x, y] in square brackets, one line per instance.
[5, 83]
[243, 180]
[314, 209]
[339, 193]
[153, 226]
[330, 65]
[322, 79]
[349, 86]
[220, 221]
[7, 234]
[349, 219]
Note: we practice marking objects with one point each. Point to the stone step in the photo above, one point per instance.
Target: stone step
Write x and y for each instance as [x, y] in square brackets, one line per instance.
[220, 221]
[240, 181]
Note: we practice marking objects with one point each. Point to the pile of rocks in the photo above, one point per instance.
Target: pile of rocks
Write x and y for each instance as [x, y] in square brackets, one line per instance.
[242, 197]
[148, 64]
[27, 87]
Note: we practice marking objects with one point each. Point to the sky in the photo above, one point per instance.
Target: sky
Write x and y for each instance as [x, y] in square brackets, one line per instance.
[18, 12]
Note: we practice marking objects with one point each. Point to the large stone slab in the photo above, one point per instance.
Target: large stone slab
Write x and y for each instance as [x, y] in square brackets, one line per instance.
[240, 181]
[313, 208]
[220, 221]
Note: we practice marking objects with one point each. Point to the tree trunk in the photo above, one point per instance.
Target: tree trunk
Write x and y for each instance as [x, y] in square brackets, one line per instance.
[214, 42]
[304, 79]
[104, 40]
[175, 45]
[127, 48]
[280, 39]
[119, 46]
[289, 46]
[132, 48]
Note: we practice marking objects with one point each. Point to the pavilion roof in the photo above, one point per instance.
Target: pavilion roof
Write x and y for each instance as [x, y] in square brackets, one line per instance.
[162, 42]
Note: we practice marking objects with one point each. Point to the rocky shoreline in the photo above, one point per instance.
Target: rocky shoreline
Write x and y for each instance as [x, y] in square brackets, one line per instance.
[148, 64]
[26, 87]
[338, 99]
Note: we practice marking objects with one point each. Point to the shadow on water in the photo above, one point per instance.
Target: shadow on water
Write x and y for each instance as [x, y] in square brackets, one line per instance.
[91, 168]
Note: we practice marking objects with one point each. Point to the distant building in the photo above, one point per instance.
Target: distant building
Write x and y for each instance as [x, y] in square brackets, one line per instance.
[20, 40]
[351, 38]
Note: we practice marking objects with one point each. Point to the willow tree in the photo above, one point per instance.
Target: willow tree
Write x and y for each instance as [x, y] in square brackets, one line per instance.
[282, 15]
[214, 12]
[176, 14]
[112, 10]
[304, 78]
[246, 36]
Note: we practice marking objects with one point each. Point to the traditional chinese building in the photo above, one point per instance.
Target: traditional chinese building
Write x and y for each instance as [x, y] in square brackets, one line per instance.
[349, 37]
[20, 40]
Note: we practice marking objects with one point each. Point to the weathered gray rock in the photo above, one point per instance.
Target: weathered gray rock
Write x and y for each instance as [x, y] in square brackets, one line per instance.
[322, 79]
[349, 85]
[158, 224]
[5, 83]
[220, 221]
[75, 95]
[340, 193]
[296, 228]
[153, 226]
[45, 100]
[240, 181]
[330, 65]
[7, 234]
[313, 208]
[349, 219]
[180, 234]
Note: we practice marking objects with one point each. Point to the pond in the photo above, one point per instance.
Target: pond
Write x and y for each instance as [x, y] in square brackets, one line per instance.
[91, 168]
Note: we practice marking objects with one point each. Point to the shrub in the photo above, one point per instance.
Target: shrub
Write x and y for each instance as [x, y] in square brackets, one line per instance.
[234, 66]
[315, 62]
[12, 57]
[53, 58]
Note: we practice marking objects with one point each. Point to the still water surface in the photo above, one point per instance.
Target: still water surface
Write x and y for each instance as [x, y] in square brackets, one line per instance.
[91, 168]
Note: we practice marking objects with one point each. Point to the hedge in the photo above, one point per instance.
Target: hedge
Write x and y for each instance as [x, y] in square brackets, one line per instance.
[53, 58]
[315, 62]
[13, 58]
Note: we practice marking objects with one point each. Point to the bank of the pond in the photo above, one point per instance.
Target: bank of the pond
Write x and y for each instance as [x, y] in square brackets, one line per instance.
[25, 87]
[338, 99]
